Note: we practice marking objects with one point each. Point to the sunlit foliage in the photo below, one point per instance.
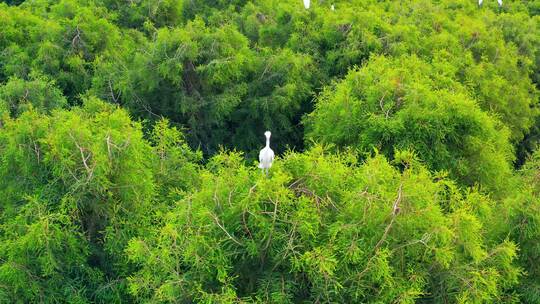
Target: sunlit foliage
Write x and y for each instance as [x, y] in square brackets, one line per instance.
[406, 135]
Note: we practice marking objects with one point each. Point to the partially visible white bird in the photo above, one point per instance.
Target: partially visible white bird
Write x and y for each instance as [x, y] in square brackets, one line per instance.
[306, 4]
[332, 7]
[498, 1]
[266, 156]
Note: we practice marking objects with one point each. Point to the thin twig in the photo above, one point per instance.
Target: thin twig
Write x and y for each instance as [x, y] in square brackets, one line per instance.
[114, 98]
[395, 211]
[77, 37]
[245, 224]
[381, 104]
[273, 224]
[225, 230]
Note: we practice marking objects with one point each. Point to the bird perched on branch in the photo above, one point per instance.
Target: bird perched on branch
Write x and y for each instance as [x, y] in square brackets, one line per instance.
[266, 156]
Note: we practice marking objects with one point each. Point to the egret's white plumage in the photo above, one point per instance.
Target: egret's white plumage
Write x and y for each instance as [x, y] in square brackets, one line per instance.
[332, 7]
[266, 156]
[498, 1]
[306, 4]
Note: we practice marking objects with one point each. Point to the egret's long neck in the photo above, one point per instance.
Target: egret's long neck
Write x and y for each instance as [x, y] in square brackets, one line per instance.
[267, 141]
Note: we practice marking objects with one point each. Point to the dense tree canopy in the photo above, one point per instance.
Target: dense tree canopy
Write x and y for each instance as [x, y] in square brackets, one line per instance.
[406, 135]
[323, 229]
[405, 103]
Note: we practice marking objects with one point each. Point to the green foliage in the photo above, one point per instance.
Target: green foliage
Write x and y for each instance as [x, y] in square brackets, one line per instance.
[211, 81]
[137, 13]
[81, 186]
[40, 93]
[129, 129]
[60, 40]
[176, 164]
[322, 228]
[70, 182]
[43, 257]
[522, 212]
[405, 103]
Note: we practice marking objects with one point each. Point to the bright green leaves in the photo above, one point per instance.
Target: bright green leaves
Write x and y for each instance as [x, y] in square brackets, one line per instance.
[176, 162]
[81, 149]
[43, 257]
[98, 207]
[523, 218]
[405, 104]
[61, 43]
[77, 185]
[321, 227]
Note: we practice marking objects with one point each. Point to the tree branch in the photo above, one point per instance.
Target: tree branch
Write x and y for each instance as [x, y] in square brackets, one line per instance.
[395, 211]
[225, 230]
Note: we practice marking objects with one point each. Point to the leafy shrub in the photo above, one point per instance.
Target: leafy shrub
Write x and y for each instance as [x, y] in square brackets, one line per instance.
[404, 103]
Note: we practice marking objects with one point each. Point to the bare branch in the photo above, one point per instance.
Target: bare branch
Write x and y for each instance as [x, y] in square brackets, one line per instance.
[76, 38]
[381, 104]
[109, 146]
[89, 171]
[225, 230]
[114, 98]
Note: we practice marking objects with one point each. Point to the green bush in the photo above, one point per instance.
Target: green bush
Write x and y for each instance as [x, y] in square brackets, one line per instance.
[322, 228]
[405, 103]
[76, 186]
[405, 135]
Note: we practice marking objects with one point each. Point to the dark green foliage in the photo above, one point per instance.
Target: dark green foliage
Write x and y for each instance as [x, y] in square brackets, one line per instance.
[209, 80]
[138, 13]
[13, 2]
[40, 93]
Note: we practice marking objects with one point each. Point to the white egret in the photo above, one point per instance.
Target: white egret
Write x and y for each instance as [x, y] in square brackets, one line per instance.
[266, 156]
[306, 4]
[498, 1]
[332, 7]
